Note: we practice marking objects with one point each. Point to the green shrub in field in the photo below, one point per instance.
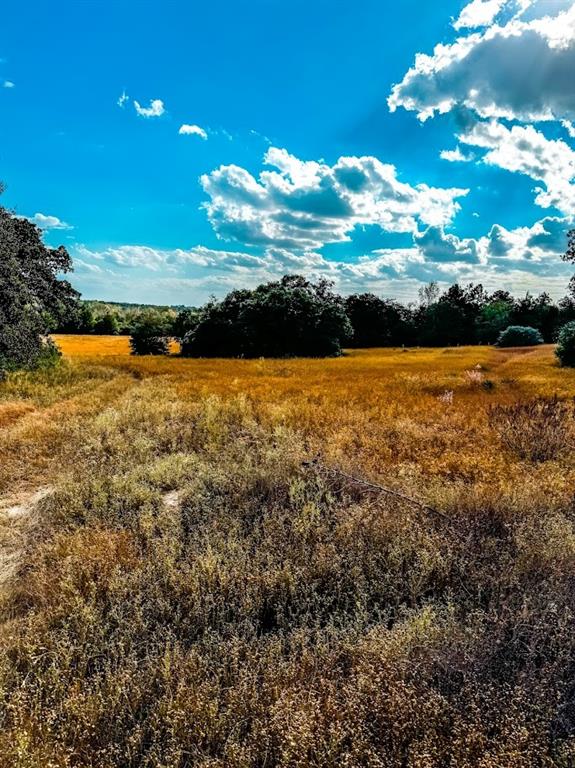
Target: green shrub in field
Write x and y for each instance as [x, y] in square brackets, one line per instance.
[566, 345]
[519, 336]
[150, 335]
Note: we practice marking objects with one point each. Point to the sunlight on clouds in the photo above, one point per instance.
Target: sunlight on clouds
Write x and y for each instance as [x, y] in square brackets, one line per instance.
[479, 13]
[306, 204]
[518, 70]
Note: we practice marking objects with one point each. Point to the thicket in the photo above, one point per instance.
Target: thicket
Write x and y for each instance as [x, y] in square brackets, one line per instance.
[289, 318]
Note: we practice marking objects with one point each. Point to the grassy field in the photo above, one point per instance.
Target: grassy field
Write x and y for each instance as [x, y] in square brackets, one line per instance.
[181, 587]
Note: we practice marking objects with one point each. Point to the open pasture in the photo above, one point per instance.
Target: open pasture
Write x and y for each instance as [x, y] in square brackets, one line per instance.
[180, 588]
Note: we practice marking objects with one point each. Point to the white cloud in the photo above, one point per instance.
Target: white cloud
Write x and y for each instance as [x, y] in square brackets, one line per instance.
[526, 258]
[48, 222]
[523, 149]
[303, 205]
[437, 246]
[479, 13]
[521, 69]
[123, 99]
[8, 84]
[156, 109]
[193, 130]
[455, 156]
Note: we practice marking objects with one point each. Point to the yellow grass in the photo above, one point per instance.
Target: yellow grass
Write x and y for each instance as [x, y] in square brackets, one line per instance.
[192, 595]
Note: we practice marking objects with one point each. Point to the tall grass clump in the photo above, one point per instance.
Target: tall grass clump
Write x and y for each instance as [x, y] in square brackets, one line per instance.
[539, 429]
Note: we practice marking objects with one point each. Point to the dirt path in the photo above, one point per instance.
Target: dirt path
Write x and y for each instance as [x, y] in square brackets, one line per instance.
[17, 518]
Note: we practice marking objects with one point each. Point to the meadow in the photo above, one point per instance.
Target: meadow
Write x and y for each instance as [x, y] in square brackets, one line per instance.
[189, 575]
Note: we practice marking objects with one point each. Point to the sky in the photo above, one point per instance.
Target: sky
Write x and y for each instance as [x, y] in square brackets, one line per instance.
[180, 149]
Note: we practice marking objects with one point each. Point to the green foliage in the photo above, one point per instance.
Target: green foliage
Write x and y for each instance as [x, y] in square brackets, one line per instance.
[566, 345]
[519, 336]
[151, 334]
[493, 318]
[289, 318]
[107, 325]
[32, 298]
[376, 322]
[186, 321]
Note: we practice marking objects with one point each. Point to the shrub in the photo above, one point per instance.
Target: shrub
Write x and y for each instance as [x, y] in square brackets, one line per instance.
[519, 336]
[150, 335]
[566, 345]
[537, 430]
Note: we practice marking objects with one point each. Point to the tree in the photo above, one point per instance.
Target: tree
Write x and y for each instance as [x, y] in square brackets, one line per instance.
[375, 322]
[289, 318]
[569, 256]
[33, 299]
[107, 325]
[452, 317]
[493, 319]
[566, 345]
[429, 294]
[151, 334]
[186, 321]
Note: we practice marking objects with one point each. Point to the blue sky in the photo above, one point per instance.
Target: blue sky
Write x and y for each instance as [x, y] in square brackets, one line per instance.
[181, 149]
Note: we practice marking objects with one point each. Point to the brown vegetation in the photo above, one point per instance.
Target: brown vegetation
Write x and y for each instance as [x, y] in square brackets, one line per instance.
[192, 595]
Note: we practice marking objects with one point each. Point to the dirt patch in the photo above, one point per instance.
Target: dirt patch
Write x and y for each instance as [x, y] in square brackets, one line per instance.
[172, 500]
[17, 516]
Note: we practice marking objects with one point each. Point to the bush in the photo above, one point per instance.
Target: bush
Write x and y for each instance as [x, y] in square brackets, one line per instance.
[289, 318]
[519, 336]
[537, 430]
[566, 345]
[150, 335]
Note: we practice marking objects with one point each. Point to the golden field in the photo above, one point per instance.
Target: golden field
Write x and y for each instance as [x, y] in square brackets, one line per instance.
[181, 588]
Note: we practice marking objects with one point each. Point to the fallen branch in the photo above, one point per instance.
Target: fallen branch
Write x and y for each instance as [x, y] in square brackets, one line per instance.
[318, 465]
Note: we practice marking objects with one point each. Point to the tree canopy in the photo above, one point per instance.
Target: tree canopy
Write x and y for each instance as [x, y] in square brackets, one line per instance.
[33, 299]
[289, 318]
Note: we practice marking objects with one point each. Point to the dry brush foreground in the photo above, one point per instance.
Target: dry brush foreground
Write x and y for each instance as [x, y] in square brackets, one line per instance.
[190, 594]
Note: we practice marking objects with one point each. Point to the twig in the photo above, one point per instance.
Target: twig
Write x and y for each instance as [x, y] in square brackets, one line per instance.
[376, 487]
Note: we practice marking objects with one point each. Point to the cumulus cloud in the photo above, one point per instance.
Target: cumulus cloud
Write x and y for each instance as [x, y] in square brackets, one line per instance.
[193, 130]
[525, 258]
[479, 13]
[521, 69]
[8, 84]
[156, 109]
[123, 99]
[437, 246]
[48, 222]
[306, 204]
[525, 150]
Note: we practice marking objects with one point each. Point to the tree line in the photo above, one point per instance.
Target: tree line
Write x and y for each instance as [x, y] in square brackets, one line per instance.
[298, 317]
[293, 316]
[460, 315]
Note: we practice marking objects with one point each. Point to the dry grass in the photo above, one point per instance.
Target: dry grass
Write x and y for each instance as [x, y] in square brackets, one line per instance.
[191, 596]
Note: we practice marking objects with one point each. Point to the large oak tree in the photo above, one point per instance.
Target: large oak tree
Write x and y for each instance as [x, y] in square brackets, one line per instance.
[33, 298]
